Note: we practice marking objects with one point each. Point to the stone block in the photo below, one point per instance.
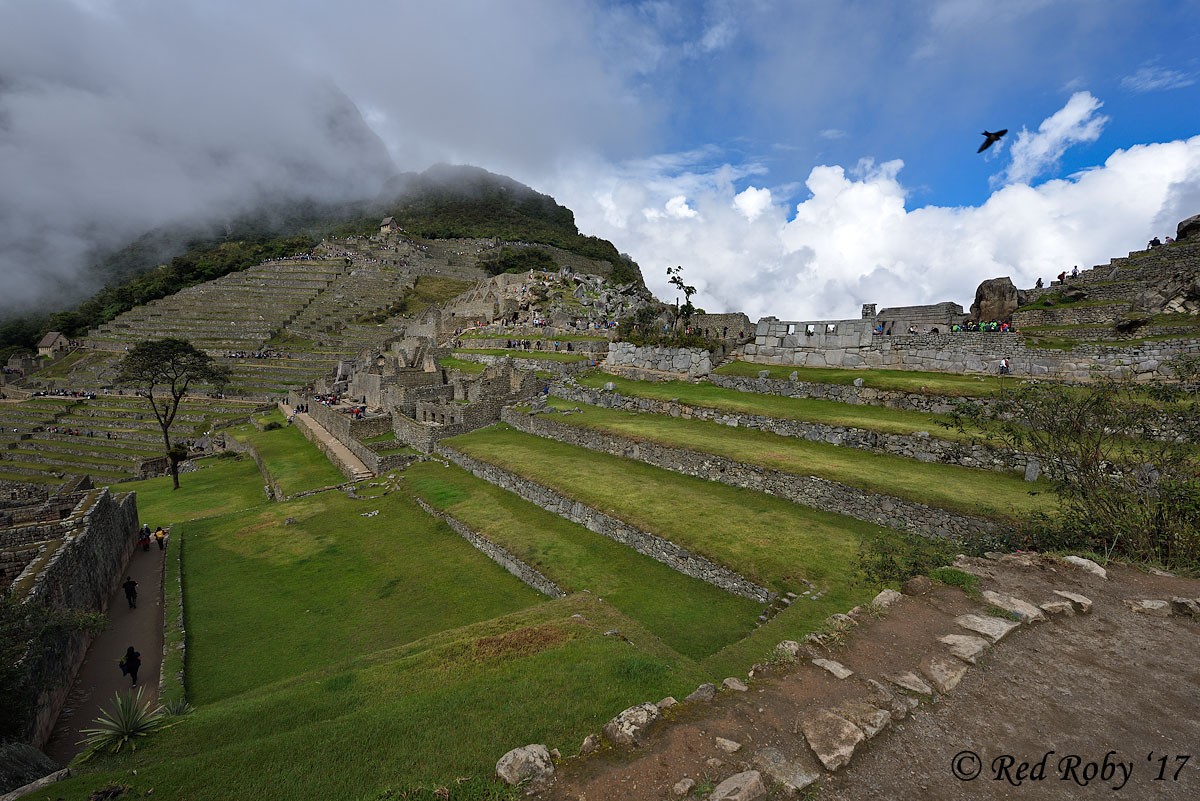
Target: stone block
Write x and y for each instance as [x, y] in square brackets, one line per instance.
[1026, 611]
[745, 786]
[793, 775]
[944, 674]
[994, 628]
[831, 737]
[838, 670]
[965, 646]
[1150, 607]
[629, 727]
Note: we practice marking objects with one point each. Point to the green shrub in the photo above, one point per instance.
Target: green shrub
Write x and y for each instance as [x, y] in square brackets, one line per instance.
[177, 708]
[890, 557]
[274, 425]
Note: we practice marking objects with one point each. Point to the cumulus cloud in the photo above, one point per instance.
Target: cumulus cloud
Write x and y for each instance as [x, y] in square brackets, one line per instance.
[1034, 153]
[853, 239]
[1153, 78]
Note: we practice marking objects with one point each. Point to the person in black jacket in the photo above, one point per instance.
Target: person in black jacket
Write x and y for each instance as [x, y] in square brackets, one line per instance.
[130, 664]
[130, 587]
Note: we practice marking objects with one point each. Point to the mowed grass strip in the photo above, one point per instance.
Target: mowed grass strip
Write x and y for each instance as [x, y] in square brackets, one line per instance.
[293, 461]
[434, 711]
[929, 383]
[694, 618]
[465, 366]
[773, 542]
[266, 599]
[810, 410]
[967, 490]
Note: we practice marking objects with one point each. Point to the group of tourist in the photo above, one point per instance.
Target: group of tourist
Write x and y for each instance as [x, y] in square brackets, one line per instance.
[1156, 243]
[65, 393]
[265, 353]
[991, 325]
[131, 661]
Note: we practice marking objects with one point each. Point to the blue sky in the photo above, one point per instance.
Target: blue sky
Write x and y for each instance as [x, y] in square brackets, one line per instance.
[797, 157]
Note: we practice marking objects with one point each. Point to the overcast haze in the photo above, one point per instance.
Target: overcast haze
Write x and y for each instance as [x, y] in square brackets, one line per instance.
[796, 158]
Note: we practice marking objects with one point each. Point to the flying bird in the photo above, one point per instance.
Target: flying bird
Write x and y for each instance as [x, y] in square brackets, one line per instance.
[992, 138]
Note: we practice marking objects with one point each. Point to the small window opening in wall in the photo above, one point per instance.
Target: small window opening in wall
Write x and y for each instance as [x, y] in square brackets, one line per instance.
[809, 330]
[830, 328]
[791, 328]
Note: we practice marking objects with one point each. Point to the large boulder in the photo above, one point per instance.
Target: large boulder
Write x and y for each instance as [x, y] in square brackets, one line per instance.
[628, 727]
[995, 299]
[527, 762]
[1188, 229]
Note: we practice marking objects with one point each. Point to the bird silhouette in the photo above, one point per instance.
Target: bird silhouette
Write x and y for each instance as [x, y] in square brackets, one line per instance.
[992, 138]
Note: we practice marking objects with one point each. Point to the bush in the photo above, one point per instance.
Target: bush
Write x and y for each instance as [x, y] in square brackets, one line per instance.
[967, 582]
[274, 425]
[891, 557]
[177, 707]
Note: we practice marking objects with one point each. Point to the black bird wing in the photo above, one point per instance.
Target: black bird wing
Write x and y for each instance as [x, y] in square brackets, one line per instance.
[986, 144]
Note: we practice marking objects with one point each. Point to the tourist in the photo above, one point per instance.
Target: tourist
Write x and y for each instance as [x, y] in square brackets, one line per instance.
[1062, 276]
[1154, 243]
[130, 587]
[144, 541]
[1004, 366]
[130, 663]
[1038, 285]
[160, 537]
[1075, 271]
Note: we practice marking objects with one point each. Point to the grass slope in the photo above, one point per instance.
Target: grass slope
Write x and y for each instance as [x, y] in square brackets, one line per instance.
[929, 383]
[694, 618]
[445, 707]
[327, 587]
[293, 461]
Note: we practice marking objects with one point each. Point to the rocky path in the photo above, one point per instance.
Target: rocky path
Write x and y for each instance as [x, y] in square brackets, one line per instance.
[99, 678]
[939, 697]
[340, 451]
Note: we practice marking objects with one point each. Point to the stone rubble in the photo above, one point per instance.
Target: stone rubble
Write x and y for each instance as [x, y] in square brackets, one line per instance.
[838, 670]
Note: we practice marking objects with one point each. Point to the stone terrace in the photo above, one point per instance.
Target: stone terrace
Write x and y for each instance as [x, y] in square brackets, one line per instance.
[123, 435]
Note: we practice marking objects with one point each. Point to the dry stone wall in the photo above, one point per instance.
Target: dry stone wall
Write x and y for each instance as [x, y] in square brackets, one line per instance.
[652, 545]
[818, 493]
[920, 446]
[625, 357]
[842, 393]
[497, 554]
[981, 352]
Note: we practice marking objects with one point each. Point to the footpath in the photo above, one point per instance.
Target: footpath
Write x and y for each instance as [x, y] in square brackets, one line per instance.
[333, 446]
[99, 678]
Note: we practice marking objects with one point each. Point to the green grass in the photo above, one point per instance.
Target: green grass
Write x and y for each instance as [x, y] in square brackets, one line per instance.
[450, 363]
[432, 711]
[293, 462]
[553, 356]
[812, 410]
[328, 587]
[928, 383]
[771, 541]
[965, 490]
[694, 618]
[387, 436]
[219, 486]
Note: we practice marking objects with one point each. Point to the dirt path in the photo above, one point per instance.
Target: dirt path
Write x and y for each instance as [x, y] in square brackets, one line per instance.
[100, 679]
[1080, 685]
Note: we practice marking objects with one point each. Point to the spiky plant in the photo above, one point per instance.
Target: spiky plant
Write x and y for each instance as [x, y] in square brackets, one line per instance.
[130, 719]
[177, 708]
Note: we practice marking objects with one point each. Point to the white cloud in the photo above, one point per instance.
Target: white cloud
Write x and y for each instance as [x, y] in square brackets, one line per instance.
[1152, 78]
[832, 133]
[752, 202]
[854, 241]
[1035, 153]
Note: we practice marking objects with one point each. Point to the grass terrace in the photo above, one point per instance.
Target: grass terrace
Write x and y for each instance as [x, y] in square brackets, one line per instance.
[771, 541]
[504, 335]
[450, 363]
[929, 383]
[219, 485]
[813, 410]
[293, 462]
[694, 618]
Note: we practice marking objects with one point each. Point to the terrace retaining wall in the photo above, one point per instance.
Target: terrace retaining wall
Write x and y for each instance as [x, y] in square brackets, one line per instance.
[920, 446]
[497, 554]
[81, 576]
[842, 393]
[819, 493]
[625, 358]
[652, 545]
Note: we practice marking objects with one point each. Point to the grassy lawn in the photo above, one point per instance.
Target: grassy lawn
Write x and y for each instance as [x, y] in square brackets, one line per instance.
[929, 383]
[771, 541]
[812, 410]
[571, 338]
[961, 489]
[694, 618]
[293, 461]
[328, 587]
[219, 486]
[450, 363]
[433, 711]
[553, 356]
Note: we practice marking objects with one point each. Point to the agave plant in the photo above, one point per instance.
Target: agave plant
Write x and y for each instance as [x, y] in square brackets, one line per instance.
[130, 719]
[177, 708]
